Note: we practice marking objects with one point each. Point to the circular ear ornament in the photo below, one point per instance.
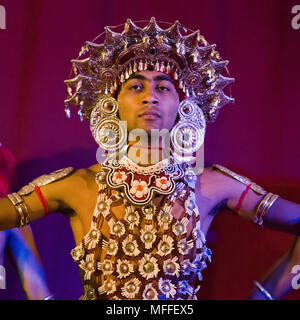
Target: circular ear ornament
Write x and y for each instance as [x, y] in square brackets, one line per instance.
[106, 128]
[188, 134]
[107, 105]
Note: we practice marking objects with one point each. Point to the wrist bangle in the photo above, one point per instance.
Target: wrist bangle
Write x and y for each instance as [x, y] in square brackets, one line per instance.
[263, 207]
[51, 297]
[263, 290]
[21, 207]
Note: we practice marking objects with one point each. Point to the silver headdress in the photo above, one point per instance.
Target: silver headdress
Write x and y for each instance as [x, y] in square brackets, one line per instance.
[193, 63]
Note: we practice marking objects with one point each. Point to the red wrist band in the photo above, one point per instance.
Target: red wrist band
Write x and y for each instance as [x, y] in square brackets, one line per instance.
[238, 207]
[42, 198]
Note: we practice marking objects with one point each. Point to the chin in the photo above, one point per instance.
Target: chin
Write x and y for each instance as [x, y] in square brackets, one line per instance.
[149, 127]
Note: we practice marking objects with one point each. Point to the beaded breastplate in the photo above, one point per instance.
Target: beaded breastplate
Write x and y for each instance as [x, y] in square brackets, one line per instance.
[156, 250]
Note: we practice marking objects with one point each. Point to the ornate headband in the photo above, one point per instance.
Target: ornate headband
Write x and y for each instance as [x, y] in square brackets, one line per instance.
[190, 60]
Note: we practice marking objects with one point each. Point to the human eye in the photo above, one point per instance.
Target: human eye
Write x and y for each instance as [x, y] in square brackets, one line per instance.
[163, 88]
[135, 86]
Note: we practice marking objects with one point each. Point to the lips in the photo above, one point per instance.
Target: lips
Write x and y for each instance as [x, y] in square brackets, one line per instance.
[150, 115]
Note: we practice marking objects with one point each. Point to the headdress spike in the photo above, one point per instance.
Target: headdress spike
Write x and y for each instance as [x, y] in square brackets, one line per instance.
[131, 30]
[173, 32]
[222, 82]
[112, 38]
[152, 28]
[219, 65]
[224, 99]
[192, 39]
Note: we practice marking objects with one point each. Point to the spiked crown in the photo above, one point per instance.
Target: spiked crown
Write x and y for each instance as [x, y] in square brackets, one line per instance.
[190, 60]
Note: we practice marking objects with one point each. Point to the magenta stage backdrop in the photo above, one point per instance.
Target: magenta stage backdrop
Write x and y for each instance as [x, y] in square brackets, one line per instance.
[258, 136]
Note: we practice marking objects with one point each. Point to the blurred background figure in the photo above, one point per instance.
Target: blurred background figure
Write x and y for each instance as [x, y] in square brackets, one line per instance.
[19, 243]
[282, 277]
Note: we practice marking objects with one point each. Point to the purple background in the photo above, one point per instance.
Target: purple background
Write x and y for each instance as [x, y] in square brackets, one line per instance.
[258, 136]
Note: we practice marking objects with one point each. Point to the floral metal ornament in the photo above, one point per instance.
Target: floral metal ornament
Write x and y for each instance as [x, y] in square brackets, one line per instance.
[107, 266]
[164, 219]
[141, 183]
[88, 265]
[130, 246]
[167, 288]
[139, 188]
[186, 55]
[148, 267]
[109, 287]
[184, 246]
[148, 235]
[150, 293]
[149, 211]
[180, 227]
[110, 246]
[163, 183]
[165, 245]
[132, 217]
[117, 228]
[78, 252]
[131, 288]
[92, 238]
[187, 267]
[124, 268]
[171, 267]
[119, 177]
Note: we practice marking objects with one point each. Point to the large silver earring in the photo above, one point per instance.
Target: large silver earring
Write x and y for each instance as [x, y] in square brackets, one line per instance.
[188, 134]
[108, 131]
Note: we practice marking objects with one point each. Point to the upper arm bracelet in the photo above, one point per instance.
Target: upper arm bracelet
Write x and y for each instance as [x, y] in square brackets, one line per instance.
[18, 201]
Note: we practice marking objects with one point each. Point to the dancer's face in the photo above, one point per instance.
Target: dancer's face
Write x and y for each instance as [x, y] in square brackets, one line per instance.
[148, 100]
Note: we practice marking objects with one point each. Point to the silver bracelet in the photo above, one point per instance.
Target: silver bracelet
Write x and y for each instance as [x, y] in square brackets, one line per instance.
[51, 297]
[263, 290]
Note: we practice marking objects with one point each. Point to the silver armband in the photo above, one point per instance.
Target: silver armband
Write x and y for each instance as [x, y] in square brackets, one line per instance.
[18, 201]
[255, 187]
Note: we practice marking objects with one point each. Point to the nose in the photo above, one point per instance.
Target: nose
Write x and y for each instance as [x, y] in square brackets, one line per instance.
[150, 97]
[150, 100]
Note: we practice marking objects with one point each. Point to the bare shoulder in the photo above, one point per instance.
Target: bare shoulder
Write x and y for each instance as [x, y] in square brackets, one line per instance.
[95, 168]
[221, 183]
[80, 179]
[211, 177]
[68, 186]
[212, 184]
